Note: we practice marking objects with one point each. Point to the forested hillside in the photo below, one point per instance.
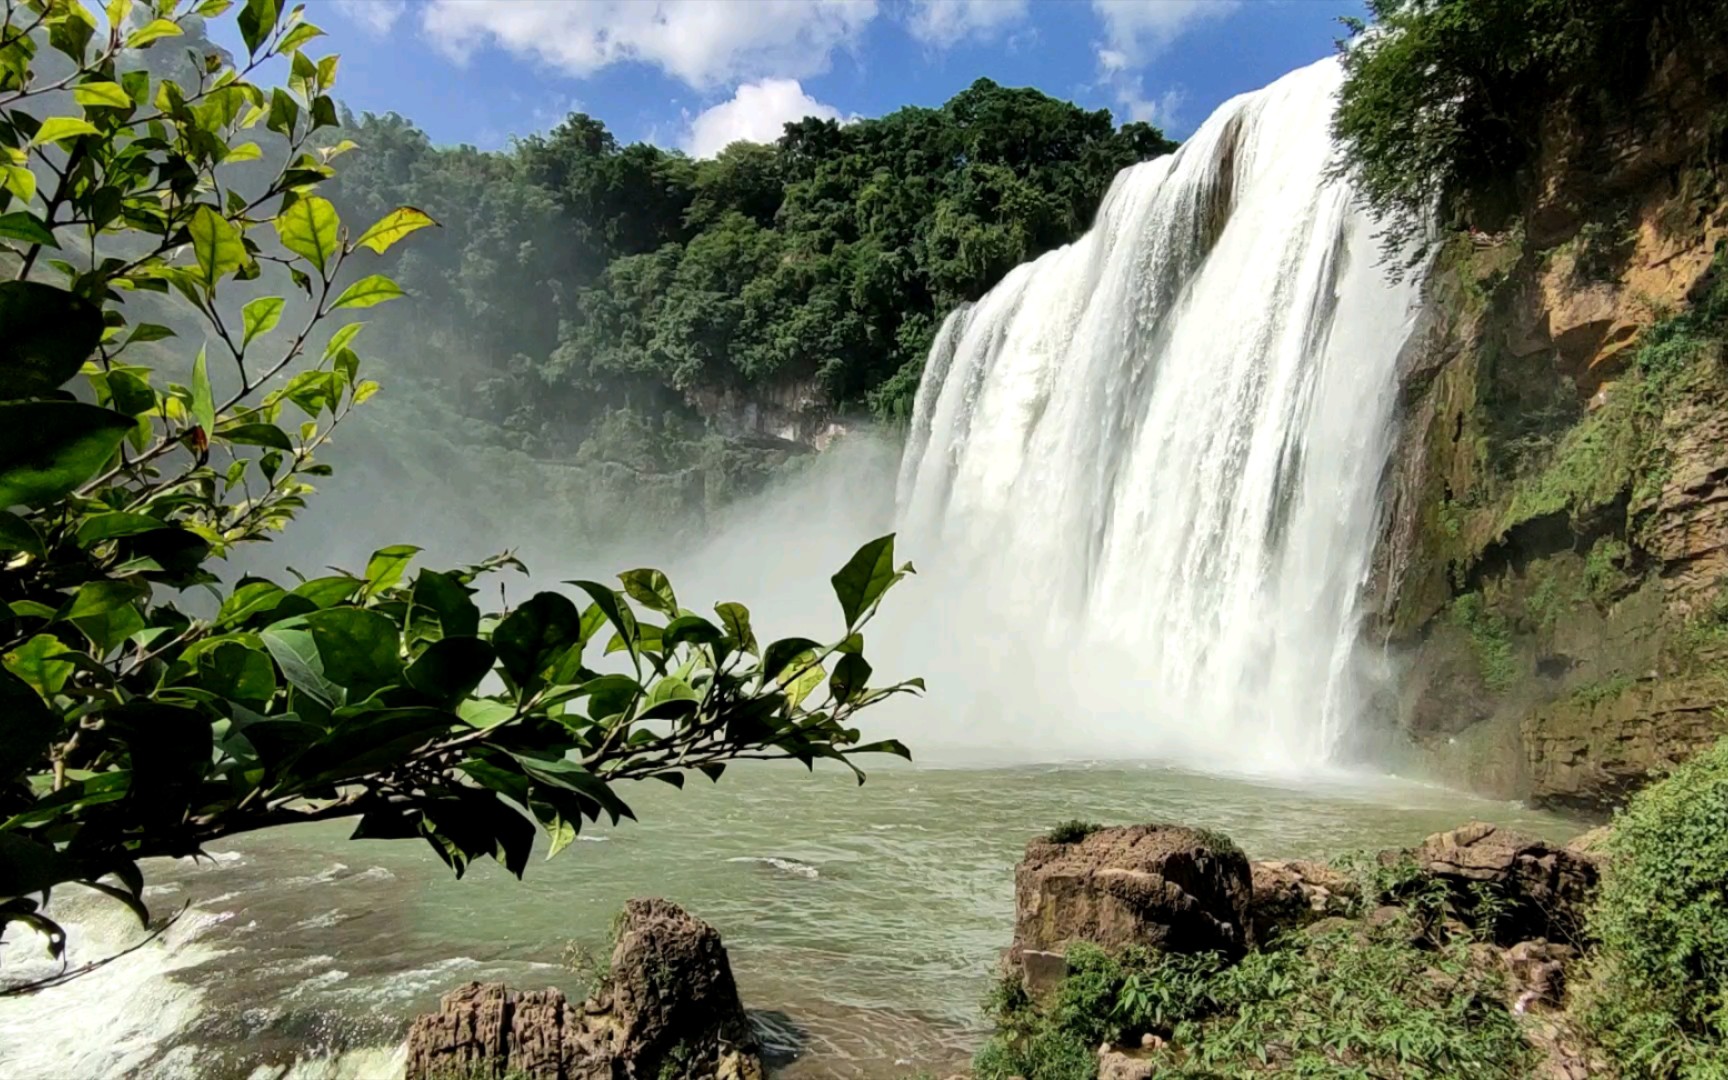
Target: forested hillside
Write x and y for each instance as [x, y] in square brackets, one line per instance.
[576, 276]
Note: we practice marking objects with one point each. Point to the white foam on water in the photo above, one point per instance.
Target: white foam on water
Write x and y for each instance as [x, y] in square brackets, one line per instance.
[111, 1021]
[785, 866]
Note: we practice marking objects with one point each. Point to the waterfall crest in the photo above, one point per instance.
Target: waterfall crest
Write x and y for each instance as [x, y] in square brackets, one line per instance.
[1147, 462]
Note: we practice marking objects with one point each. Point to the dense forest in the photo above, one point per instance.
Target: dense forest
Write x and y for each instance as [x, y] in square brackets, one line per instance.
[585, 299]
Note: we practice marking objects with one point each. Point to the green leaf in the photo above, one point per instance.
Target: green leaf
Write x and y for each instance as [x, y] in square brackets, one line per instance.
[360, 649]
[650, 589]
[46, 334]
[260, 317]
[20, 181]
[246, 151]
[154, 30]
[257, 435]
[865, 577]
[148, 332]
[38, 663]
[217, 246]
[310, 228]
[237, 673]
[735, 618]
[284, 112]
[384, 569]
[784, 653]
[27, 725]
[392, 227]
[298, 36]
[620, 616]
[448, 601]
[28, 867]
[25, 226]
[105, 611]
[48, 448]
[484, 714]
[203, 405]
[329, 591]
[249, 599]
[368, 292]
[58, 128]
[534, 635]
[257, 19]
[102, 95]
[100, 527]
[296, 653]
[851, 674]
[341, 338]
[17, 534]
[450, 669]
[690, 628]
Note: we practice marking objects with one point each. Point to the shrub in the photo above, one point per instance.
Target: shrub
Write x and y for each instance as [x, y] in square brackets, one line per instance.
[1072, 832]
[1445, 99]
[1657, 998]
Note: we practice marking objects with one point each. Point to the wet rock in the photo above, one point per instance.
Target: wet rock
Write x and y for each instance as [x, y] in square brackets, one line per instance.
[668, 1009]
[1291, 894]
[1159, 886]
[1542, 891]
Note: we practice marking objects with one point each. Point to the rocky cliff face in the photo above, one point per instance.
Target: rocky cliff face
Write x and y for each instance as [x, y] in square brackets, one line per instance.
[1554, 573]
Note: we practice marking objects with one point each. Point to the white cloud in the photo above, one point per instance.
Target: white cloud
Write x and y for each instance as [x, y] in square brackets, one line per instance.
[1135, 31]
[374, 16]
[943, 24]
[1139, 29]
[705, 43]
[756, 113]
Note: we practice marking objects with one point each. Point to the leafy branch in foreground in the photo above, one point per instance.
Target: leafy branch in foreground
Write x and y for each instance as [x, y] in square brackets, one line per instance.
[140, 719]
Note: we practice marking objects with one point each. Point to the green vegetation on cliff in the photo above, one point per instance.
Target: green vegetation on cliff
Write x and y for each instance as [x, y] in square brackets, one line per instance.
[1443, 103]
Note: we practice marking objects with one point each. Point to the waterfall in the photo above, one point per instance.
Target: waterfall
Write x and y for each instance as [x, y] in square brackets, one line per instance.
[1146, 463]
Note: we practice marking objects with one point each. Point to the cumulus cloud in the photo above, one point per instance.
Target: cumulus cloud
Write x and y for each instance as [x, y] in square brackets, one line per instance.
[756, 113]
[1136, 30]
[704, 43]
[943, 24]
[374, 16]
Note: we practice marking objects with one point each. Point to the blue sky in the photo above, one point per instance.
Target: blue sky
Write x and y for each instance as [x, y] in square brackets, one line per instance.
[695, 74]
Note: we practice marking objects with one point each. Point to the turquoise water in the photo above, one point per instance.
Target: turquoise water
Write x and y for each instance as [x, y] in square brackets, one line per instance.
[863, 923]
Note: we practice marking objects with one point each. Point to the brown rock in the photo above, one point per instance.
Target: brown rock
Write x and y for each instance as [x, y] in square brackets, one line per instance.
[668, 1008]
[1545, 889]
[1121, 1065]
[1158, 886]
[1291, 894]
[1536, 973]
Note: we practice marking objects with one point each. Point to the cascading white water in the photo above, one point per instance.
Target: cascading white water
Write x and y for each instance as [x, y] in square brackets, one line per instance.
[1149, 459]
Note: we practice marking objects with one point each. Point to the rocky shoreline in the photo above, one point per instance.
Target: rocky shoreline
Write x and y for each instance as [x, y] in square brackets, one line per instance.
[666, 1005]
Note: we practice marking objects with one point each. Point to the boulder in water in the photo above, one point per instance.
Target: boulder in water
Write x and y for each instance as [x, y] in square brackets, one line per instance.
[668, 1009]
[1159, 886]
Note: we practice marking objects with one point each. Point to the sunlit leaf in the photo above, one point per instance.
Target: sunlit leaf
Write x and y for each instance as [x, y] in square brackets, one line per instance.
[59, 128]
[309, 228]
[102, 95]
[393, 227]
[367, 292]
[203, 403]
[260, 317]
[217, 246]
[154, 30]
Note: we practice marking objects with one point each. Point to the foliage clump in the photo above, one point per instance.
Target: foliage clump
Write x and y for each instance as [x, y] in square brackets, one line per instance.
[1072, 832]
[1490, 640]
[1443, 100]
[1335, 1003]
[1658, 995]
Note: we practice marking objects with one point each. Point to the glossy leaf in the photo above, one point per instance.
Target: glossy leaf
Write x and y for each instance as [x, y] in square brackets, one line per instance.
[864, 578]
[395, 225]
[368, 292]
[48, 448]
[260, 316]
[46, 334]
[309, 228]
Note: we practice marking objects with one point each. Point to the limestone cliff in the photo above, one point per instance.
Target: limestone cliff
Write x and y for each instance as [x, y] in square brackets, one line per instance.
[1553, 577]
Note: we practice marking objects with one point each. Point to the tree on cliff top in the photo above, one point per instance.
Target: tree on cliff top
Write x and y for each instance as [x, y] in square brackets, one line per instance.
[138, 719]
